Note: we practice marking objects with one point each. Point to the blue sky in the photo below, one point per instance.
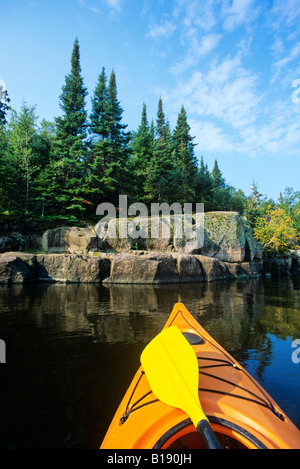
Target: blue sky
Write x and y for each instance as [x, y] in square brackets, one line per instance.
[233, 65]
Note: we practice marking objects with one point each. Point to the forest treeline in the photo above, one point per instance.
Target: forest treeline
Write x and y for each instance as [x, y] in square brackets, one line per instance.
[58, 172]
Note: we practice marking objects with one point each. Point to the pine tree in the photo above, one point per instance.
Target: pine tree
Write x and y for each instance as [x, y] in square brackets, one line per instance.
[69, 149]
[185, 156]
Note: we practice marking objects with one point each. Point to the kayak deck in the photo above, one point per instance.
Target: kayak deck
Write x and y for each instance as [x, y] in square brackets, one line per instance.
[241, 412]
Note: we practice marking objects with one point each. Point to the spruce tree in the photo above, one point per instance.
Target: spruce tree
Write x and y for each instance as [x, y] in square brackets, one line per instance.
[69, 148]
[99, 114]
[108, 171]
[204, 186]
[163, 176]
[221, 192]
[4, 107]
[142, 151]
[116, 177]
[4, 176]
[99, 143]
[219, 181]
[254, 205]
[185, 157]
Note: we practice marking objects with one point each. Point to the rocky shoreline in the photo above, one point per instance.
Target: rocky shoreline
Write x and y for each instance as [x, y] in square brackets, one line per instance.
[131, 268]
[87, 255]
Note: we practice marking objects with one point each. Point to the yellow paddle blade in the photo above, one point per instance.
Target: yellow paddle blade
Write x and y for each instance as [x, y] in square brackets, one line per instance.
[171, 367]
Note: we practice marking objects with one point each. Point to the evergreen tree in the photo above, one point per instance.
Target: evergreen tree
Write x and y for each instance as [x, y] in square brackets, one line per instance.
[99, 114]
[253, 208]
[163, 176]
[108, 171]
[142, 150]
[4, 107]
[69, 149]
[204, 186]
[44, 203]
[116, 177]
[221, 192]
[219, 181]
[99, 143]
[160, 122]
[185, 157]
[238, 200]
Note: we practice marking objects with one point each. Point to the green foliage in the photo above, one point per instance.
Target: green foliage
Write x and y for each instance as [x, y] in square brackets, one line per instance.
[274, 229]
[69, 147]
[185, 158]
[162, 175]
[4, 107]
[254, 205]
[276, 226]
[143, 141]
[290, 202]
[107, 173]
[58, 172]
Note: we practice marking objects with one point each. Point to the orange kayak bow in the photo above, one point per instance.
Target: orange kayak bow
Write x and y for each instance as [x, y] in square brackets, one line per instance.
[233, 406]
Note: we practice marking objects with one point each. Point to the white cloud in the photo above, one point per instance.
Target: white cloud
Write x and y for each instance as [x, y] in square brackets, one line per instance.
[208, 42]
[163, 30]
[287, 12]
[196, 13]
[115, 4]
[226, 92]
[207, 14]
[210, 137]
[199, 48]
[283, 63]
[239, 12]
[89, 6]
[231, 101]
[228, 113]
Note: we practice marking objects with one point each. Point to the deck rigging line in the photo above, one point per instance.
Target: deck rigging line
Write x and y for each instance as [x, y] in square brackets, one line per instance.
[227, 361]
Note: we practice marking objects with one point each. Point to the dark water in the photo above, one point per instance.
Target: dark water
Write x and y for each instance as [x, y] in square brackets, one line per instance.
[72, 350]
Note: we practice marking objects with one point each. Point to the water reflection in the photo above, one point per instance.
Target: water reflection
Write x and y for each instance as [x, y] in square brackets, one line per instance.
[72, 349]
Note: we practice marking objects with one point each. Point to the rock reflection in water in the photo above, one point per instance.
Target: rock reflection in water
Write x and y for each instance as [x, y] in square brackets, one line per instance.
[128, 313]
[72, 350]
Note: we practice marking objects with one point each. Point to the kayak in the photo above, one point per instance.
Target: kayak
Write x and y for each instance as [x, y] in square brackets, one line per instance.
[241, 414]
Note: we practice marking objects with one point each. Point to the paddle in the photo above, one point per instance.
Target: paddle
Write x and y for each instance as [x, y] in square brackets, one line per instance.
[171, 367]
